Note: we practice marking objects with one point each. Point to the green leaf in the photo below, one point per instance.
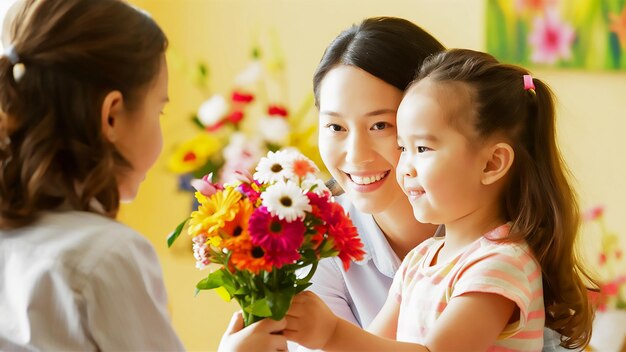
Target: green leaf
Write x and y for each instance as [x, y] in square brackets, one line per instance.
[280, 300]
[196, 121]
[259, 308]
[174, 235]
[214, 280]
[303, 287]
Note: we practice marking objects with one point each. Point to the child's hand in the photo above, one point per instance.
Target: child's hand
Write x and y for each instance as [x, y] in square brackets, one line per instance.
[264, 335]
[310, 322]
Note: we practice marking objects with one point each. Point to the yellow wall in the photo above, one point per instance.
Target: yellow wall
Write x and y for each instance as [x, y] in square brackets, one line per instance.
[591, 107]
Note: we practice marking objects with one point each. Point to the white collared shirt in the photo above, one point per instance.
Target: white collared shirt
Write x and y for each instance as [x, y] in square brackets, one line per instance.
[358, 294]
[78, 281]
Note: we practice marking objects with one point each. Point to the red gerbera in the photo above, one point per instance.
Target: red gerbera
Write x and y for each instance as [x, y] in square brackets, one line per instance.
[344, 235]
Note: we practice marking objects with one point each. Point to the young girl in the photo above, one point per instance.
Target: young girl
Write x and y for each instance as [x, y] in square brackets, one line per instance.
[82, 85]
[479, 155]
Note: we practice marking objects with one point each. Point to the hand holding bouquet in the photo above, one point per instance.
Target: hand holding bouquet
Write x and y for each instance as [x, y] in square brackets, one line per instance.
[260, 230]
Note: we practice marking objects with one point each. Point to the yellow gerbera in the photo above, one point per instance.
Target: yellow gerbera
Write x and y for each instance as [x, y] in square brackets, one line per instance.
[194, 153]
[214, 211]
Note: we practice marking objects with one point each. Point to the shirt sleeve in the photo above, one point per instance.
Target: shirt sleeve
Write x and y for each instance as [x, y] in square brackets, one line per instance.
[329, 285]
[508, 271]
[125, 302]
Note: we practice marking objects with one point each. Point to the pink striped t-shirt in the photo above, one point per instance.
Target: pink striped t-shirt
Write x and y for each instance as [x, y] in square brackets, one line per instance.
[506, 269]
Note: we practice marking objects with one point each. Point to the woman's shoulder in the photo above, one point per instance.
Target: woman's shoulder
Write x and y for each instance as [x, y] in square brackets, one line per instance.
[75, 239]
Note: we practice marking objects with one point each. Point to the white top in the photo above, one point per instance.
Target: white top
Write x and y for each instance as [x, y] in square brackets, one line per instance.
[358, 294]
[80, 281]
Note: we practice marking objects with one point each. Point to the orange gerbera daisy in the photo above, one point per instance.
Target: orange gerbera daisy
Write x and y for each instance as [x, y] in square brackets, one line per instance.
[250, 257]
[235, 232]
[214, 211]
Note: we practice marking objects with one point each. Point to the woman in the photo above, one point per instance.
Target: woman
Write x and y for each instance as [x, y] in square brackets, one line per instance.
[358, 86]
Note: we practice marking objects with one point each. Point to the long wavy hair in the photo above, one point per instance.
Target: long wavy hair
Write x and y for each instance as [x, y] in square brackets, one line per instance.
[52, 149]
[538, 198]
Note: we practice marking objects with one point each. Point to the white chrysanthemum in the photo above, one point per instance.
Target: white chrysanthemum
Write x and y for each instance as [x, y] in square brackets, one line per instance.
[275, 130]
[318, 186]
[272, 168]
[213, 110]
[286, 201]
[250, 75]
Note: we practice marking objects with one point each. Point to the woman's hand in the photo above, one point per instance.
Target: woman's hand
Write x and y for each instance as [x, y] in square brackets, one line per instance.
[264, 335]
[310, 322]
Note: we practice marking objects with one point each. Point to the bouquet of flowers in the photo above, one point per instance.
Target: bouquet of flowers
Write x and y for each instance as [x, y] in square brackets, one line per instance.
[610, 262]
[261, 229]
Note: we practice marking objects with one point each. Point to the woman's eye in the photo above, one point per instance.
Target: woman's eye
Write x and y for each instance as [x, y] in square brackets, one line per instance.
[401, 149]
[422, 149]
[334, 127]
[380, 125]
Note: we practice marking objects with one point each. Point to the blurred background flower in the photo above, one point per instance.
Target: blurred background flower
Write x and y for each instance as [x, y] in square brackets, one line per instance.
[238, 126]
[588, 34]
[609, 262]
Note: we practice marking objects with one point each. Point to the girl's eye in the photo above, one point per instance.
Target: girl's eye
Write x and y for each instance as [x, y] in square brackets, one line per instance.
[380, 126]
[401, 149]
[334, 127]
[422, 149]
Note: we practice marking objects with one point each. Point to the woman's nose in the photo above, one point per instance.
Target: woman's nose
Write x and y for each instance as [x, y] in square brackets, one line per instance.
[359, 149]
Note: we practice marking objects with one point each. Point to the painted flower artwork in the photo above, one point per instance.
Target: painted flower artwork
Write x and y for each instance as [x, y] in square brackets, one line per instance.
[588, 34]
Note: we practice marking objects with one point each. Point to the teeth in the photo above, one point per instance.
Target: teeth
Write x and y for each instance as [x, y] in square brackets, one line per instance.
[367, 179]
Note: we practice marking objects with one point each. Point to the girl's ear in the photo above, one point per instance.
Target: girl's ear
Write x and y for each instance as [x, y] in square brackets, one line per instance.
[500, 159]
[111, 112]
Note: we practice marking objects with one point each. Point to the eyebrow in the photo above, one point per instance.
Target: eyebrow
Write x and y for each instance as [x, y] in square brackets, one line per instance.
[368, 114]
[426, 137]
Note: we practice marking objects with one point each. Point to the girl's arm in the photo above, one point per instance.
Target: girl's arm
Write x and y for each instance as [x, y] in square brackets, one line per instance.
[462, 326]
[386, 322]
[312, 324]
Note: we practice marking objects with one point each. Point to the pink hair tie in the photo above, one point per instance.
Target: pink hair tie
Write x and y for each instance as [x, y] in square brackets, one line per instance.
[529, 84]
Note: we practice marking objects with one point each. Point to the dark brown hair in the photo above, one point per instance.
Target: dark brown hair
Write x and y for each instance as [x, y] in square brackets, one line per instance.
[389, 48]
[74, 52]
[538, 199]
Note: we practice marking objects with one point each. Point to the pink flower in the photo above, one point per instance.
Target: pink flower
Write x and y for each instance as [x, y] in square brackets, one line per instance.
[205, 186]
[551, 38]
[593, 213]
[275, 235]
[243, 176]
[201, 251]
[251, 190]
